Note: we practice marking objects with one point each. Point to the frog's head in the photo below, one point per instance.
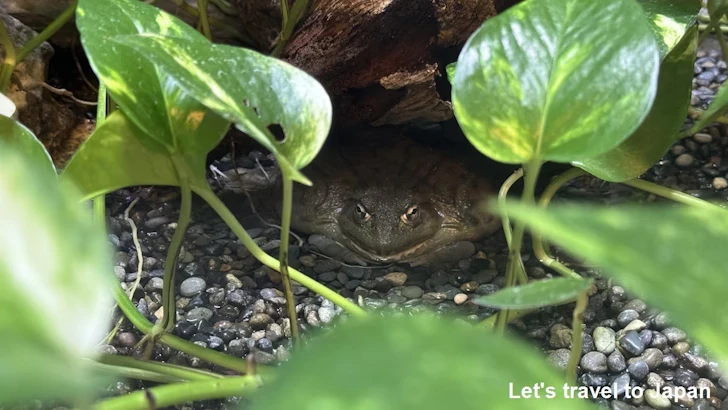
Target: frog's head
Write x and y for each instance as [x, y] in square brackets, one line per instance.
[388, 226]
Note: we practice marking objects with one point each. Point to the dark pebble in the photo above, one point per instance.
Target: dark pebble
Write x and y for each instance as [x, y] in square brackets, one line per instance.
[616, 362]
[594, 362]
[631, 343]
[620, 384]
[591, 379]
[265, 345]
[625, 317]
[674, 335]
[638, 370]
[216, 343]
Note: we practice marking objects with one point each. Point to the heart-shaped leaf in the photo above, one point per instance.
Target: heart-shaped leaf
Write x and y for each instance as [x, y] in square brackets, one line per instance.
[537, 294]
[15, 134]
[413, 363]
[55, 271]
[257, 92]
[661, 127]
[544, 79]
[672, 257]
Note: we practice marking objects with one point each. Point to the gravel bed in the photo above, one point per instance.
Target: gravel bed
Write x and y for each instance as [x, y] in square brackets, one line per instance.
[227, 301]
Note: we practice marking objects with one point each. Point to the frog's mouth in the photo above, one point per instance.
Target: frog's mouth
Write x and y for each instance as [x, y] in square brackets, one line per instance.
[412, 252]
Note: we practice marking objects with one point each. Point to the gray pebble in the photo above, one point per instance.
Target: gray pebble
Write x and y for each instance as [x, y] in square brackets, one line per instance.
[313, 319]
[654, 380]
[154, 223]
[684, 160]
[637, 305]
[674, 335]
[639, 370]
[412, 292]
[434, 298]
[559, 358]
[326, 314]
[625, 317]
[651, 356]
[560, 336]
[604, 340]
[620, 384]
[631, 343]
[199, 313]
[594, 362]
[192, 286]
[154, 284]
[659, 341]
[661, 321]
[274, 332]
[616, 362]
[695, 362]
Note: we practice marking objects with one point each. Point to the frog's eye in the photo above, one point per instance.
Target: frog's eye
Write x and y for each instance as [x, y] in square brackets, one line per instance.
[361, 213]
[412, 214]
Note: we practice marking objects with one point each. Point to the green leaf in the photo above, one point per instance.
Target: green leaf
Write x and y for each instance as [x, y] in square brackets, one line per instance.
[450, 70]
[716, 9]
[55, 271]
[661, 127]
[670, 20]
[15, 134]
[416, 362]
[130, 77]
[672, 257]
[548, 80]
[253, 90]
[537, 294]
[117, 155]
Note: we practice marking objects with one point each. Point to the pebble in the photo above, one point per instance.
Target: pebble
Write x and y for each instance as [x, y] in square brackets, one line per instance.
[192, 286]
[657, 400]
[199, 313]
[154, 223]
[604, 339]
[636, 325]
[559, 358]
[631, 343]
[434, 298]
[703, 138]
[674, 335]
[625, 317]
[412, 292]
[720, 183]
[651, 356]
[654, 380]
[661, 321]
[659, 341]
[396, 278]
[620, 384]
[616, 362]
[460, 298]
[260, 320]
[639, 370]
[684, 160]
[326, 314]
[695, 362]
[594, 362]
[560, 336]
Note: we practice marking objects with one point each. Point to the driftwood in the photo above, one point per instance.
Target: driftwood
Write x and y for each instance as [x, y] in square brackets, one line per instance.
[380, 60]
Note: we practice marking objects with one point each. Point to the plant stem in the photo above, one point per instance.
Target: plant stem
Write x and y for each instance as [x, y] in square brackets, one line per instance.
[141, 323]
[267, 260]
[537, 239]
[515, 262]
[507, 231]
[10, 59]
[721, 40]
[170, 263]
[576, 338]
[178, 373]
[290, 19]
[99, 202]
[204, 19]
[283, 258]
[172, 394]
[48, 32]
[672, 194]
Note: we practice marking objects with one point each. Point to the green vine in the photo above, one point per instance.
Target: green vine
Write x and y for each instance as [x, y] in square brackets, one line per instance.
[285, 276]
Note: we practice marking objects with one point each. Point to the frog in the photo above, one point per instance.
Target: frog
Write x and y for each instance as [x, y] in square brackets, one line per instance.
[393, 202]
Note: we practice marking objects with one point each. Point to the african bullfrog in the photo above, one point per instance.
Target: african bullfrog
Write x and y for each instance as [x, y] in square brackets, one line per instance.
[391, 201]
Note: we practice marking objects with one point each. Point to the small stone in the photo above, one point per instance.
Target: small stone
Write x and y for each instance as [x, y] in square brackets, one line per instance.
[695, 362]
[559, 358]
[625, 317]
[595, 362]
[659, 341]
[326, 314]
[308, 261]
[661, 321]
[657, 400]
[154, 284]
[274, 296]
[434, 298]
[631, 343]
[620, 384]
[636, 325]
[703, 138]
[154, 223]
[199, 313]
[646, 336]
[560, 336]
[485, 276]
[192, 286]
[259, 321]
[639, 370]
[669, 361]
[720, 183]
[681, 348]
[651, 356]
[655, 381]
[674, 335]
[274, 332]
[604, 340]
[637, 305]
[460, 298]
[127, 339]
[592, 379]
[616, 362]
[412, 292]
[313, 319]
[396, 278]
[684, 160]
